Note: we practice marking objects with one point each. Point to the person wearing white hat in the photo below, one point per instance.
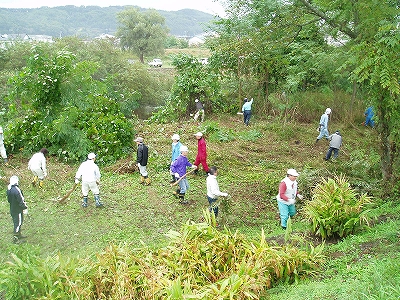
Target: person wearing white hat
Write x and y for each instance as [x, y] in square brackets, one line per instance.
[199, 110]
[178, 168]
[3, 152]
[17, 206]
[287, 196]
[176, 146]
[323, 125]
[201, 157]
[90, 174]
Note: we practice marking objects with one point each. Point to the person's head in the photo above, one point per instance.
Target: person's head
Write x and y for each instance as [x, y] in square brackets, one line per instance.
[44, 151]
[328, 111]
[337, 132]
[292, 174]
[91, 156]
[245, 99]
[175, 137]
[184, 150]
[198, 135]
[197, 100]
[138, 140]
[213, 170]
[14, 180]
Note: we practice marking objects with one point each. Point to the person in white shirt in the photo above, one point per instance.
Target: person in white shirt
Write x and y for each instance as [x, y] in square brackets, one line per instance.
[3, 152]
[37, 165]
[213, 191]
[287, 196]
[90, 174]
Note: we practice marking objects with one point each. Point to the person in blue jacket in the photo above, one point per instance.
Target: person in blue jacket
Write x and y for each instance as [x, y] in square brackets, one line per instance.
[17, 206]
[176, 151]
[246, 110]
[369, 114]
[323, 125]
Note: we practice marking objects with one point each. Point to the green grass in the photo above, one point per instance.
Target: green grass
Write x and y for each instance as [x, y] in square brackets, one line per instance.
[251, 161]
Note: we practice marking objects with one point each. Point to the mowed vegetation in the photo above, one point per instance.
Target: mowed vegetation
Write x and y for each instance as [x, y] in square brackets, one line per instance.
[252, 160]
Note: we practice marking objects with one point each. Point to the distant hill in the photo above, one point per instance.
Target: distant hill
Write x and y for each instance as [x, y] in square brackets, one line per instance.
[90, 21]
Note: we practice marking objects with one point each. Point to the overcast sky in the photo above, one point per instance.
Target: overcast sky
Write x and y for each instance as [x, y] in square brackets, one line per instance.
[209, 6]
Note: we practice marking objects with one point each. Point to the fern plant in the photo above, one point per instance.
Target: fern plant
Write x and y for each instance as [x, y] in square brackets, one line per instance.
[335, 209]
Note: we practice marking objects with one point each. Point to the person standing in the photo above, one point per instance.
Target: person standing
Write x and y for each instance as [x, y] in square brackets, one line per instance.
[17, 206]
[37, 165]
[335, 141]
[246, 110]
[199, 110]
[176, 146]
[213, 191]
[3, 152]
[287, 196]
[178, 168]
[201, 157]
[90, 174]
[323, 125]
[142, 156]
[369, 114]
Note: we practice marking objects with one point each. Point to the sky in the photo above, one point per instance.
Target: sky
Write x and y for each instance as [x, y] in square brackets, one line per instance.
[209, 6]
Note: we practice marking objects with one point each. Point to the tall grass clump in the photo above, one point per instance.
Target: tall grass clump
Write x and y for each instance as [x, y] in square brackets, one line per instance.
[199, 262]
[335, 209]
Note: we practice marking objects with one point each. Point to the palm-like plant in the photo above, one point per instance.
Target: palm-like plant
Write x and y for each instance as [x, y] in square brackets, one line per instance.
[335, 209]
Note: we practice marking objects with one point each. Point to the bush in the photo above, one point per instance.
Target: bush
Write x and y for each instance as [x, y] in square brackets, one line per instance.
[335, 210]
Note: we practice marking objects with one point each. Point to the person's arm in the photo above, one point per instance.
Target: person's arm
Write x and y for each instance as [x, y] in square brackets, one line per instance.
[44, 169]
[282, 190]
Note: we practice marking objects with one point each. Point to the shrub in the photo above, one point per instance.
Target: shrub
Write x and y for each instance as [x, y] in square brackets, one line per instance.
[335, 210]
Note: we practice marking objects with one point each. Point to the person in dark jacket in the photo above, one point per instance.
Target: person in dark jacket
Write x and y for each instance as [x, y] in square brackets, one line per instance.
[17, 206]
[141, 160]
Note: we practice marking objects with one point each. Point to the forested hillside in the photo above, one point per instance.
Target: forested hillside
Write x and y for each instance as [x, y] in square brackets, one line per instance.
[90, 21]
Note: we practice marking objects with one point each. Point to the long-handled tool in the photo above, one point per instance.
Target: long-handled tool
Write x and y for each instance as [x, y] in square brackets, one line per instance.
[62, 200]
[183, 176]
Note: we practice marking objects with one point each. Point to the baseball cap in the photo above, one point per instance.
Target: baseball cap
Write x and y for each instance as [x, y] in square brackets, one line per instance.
[199, 134]
[91, 155]
[175, 137]
[184, 149]
[138, 139]
[328, 110]
[292, 172]
[197, 100]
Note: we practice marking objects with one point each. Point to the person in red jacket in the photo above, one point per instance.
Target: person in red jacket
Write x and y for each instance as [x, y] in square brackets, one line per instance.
[201, 157]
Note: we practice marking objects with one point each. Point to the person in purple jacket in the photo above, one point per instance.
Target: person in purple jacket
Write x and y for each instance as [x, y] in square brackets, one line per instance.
[178, 168]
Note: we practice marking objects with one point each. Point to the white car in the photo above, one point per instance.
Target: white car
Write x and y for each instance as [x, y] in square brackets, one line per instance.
[156, 63]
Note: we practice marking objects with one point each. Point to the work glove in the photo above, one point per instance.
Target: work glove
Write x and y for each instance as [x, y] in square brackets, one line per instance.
[291, 201]
[194, 167]
[300, 196]
[224, 194]
[177, 175]
[25, 211]
[76, 180]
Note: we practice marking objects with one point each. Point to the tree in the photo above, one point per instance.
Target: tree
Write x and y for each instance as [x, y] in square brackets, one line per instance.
[142, 33]
[372, 31]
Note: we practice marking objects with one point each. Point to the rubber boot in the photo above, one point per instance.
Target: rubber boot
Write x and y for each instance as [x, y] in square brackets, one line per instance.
[84, 202]
[41, 183]
[182, 199]
[5, 161]
[141, 180]
[97, 200]
[147, 181]
[176, 193]
[35, 180]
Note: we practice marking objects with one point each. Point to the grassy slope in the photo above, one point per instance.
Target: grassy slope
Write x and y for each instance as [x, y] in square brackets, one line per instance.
[250, 165]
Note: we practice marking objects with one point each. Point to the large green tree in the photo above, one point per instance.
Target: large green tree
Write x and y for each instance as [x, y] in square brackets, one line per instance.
[143, 33]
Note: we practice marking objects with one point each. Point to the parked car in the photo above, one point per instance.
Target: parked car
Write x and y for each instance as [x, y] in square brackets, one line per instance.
[155, 63]
[204, 60]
